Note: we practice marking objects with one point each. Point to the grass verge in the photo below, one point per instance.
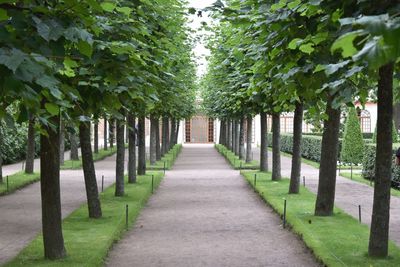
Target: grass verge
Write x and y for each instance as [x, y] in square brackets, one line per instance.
[169, 159]
[235, 161]
[17, 181]
[88, 240]
[77, 164]
[358, 178]
[338, 240]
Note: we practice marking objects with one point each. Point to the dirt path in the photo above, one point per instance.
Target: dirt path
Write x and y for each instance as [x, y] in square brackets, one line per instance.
[204, 214]
[349, 195]
[20, 219]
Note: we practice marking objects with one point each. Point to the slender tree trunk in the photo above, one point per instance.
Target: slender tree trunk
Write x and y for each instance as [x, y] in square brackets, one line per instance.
[396, 115]
[132, 149]
[96, 138]
[327, 171]
[119, 168]
[30, 151]
[153, 139]
[62, 141]
[221, 132]
[264, 143]
[111, 129]
[233, 136]
[142, 146]
[53, 240]
[177, 132]
[165, 135]
[229, 135]
[241, 138]
[379, 233]
[105, 134]
[126, 132]
[296, 157]
[276, 147]
[92, 193]
[158, 144]
[172, 134]
[1, 152]
[237, 137]
[74, 154]
[249, 139]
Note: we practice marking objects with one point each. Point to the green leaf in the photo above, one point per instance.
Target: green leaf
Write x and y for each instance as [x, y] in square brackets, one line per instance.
[3, 15]
[108, 6]
[307, 48]
[52, 109]
[295, 43]
[12, 59]
[345, 43]
[85, 48]
[124, 10]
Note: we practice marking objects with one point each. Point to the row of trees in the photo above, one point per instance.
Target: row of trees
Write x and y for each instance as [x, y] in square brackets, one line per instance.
[314, 56]
[65, 64]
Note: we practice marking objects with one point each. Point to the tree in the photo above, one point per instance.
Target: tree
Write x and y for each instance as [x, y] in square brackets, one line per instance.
[353, 142]
[30, 150]
[395, 135]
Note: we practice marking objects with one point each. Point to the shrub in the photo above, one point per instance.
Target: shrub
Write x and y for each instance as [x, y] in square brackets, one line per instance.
[395, 137]
[353, 144]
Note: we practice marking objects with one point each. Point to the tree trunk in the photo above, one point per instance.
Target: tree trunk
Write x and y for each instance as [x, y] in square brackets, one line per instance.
[233, 136]
[30, 151]
[172, 133]
[296, 157]
[264, 143]
[396, 115]
[62, 142]
[221, 132]
[126, 131]
[96, 138]
[153, 140]
[92, 193]
[249, 139]
[229, 135]
[177, 132]
[119, 168]
[1, 152]
[53, 240]
[165, 135]
[158, 144]
[241, 138]
[327, 171]
[105, 134]
[74, 154]
[111, 130]
[132, 149]
[276, 147]
[379, 233]
[142, 146]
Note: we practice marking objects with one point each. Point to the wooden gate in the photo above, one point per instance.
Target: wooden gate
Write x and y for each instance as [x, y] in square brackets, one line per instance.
[199, 129]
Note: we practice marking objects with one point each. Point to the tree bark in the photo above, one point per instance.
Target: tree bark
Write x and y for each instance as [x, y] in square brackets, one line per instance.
[276, 147]
[92, 193]
[296, 157]
[173, 132]
[96, 138]
[30, 151]
[241, 138]
[229, 135]
[120, 164]
[53, 240]
[126, 132]
[264, 143]
[1, 151]
[379, 233]
[111, 130]
[222, 132]
[158, 144]
[234, 136]
[142, 146]
[177, 132]
[249, 139]
[74, 155]
[105, 134]
[132, 149]
[153, 139]
[396, 115]
[327, 171]
[165, 135]
[62, 141]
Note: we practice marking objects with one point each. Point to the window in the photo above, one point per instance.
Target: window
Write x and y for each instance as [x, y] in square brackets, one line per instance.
[365, 121]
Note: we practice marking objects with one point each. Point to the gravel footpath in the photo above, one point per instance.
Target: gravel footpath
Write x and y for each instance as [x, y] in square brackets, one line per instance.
[205, 214]
[349, 194]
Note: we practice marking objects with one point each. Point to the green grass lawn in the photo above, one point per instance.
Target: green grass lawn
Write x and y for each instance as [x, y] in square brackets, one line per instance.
[235, 161]
[358, 178]
[77, 164]
[339, 240]
[88, 240]
[17, 181]
[169, 159]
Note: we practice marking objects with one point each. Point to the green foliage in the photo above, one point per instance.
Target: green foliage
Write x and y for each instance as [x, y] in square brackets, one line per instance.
[343, 245]
[353, 143]
[395, 136]
[169, 159]
[235, 161]
[17, 181]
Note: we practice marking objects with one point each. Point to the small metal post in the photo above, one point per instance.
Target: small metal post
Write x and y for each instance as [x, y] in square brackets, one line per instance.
[102, 183]
[304, 181]
[7, 183]
[164, 166]
[284, 214]
[152, 183]
[126, 216]
[359, 213]
[255, 180]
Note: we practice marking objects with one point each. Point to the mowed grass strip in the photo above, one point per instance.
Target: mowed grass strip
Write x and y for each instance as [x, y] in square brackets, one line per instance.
[168, 159]
[17, 181]
[338, 240]
[235, 161]
[77, 164]
[88, 241]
